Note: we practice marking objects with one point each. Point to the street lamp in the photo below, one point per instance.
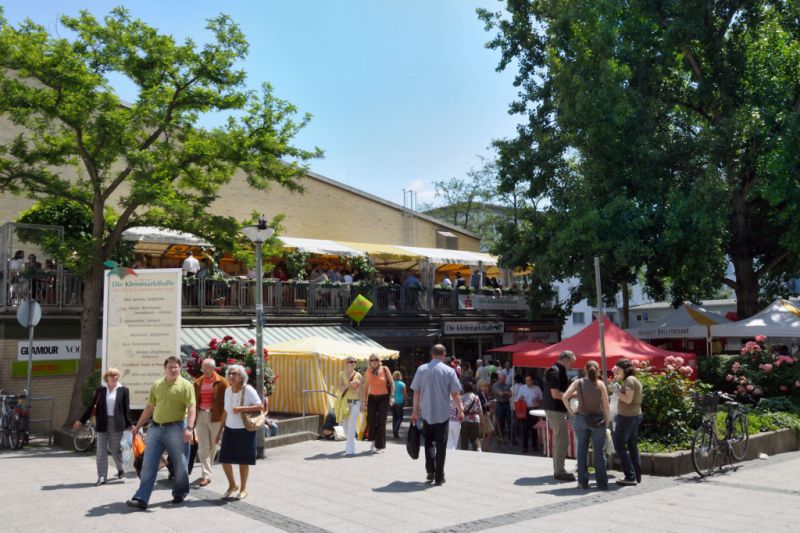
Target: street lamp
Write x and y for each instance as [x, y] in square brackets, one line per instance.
[258, 234]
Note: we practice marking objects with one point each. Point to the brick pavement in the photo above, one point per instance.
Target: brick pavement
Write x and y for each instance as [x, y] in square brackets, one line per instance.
[313, 487]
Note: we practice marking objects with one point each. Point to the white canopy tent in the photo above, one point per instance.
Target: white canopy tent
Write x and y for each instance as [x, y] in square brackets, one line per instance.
[780, 319]
[162, 236]
[686, 322]
[320, 246]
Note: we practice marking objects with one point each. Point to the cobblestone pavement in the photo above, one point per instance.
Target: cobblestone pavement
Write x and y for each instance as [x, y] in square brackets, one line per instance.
[313, 487]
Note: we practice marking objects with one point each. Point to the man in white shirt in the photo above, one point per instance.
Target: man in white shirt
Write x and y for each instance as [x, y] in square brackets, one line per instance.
[191, 265]
[446, 283]
[533, 397]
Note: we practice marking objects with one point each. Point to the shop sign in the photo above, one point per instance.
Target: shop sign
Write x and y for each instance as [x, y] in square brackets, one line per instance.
[50, 367]
[48, 350]
[485, 302]
[662, 333]
[513, 337]
[472, 328]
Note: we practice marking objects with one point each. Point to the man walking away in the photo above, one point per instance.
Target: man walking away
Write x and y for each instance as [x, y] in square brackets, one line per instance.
[171, 399]
[434, 384]
[556, 383]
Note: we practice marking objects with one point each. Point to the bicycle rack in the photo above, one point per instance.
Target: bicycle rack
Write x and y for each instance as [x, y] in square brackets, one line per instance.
[49, 420]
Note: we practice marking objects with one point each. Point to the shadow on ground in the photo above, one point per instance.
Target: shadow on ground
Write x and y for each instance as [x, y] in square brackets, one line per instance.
[403, 486]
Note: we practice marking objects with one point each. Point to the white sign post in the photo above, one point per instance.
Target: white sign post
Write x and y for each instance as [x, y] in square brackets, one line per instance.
[141, 326]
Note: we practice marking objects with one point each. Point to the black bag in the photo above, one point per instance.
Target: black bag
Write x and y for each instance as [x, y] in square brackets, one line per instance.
[412, 446]
[595, 420]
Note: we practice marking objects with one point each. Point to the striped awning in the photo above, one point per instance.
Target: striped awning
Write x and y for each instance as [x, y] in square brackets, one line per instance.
[441, 256]
[193, 339]
[320, 247]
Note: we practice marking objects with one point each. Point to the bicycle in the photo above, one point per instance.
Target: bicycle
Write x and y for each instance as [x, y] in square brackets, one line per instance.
[707, 446]
[14, 421]
[85, 437]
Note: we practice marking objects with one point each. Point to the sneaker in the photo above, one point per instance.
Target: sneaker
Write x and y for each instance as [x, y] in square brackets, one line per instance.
[626, 482]
[136, 504]
[565, 476]
[100, 481]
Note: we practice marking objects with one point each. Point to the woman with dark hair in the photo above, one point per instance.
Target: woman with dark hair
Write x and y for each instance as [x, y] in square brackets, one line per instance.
[626, 424]
[591, 420]
[471, 426]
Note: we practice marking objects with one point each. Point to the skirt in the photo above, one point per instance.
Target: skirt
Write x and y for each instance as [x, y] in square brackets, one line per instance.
[238, 447]
[486, 425]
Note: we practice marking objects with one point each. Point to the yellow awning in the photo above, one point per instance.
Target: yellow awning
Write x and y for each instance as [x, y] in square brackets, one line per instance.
[333, 349]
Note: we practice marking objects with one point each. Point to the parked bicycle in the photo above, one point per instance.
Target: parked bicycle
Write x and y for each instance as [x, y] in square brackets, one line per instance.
[708, 448]
[14, 420]
[85, 437]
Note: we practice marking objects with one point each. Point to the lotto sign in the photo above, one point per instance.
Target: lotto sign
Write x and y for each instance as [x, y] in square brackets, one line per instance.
[359, 309]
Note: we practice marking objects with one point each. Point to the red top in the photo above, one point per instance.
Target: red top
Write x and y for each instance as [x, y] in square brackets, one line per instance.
[206, 393]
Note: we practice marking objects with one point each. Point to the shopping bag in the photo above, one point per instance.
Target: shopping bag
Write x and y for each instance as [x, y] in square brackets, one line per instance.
[520, 409]
[338, 433]
[413, 443]
[609, 443]
[127, 451]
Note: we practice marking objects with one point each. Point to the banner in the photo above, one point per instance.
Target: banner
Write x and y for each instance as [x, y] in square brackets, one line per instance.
[472, 328]
[141, 326]
[48, 350]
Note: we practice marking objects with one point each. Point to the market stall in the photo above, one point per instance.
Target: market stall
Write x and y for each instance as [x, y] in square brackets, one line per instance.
[779, 319]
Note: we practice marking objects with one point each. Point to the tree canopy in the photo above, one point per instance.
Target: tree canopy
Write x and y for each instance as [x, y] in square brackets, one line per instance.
[149, 159]
[660, 136]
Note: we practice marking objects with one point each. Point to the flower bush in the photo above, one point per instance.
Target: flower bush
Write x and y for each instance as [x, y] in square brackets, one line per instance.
[227, 352]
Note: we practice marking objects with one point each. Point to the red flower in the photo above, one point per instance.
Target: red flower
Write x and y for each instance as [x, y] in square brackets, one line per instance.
[194, 354]
[231, 361]
[227, 338]
[252, 342]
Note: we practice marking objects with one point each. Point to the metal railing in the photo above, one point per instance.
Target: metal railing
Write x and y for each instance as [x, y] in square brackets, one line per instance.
[308, 391]
[49, 419]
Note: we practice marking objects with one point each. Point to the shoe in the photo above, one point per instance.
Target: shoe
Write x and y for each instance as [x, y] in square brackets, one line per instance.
[602, 487]
[565, 476]
[638, 478]
[229, 492]
[120, 474]
[626, 482]
[372, 447]
[204, 481]
[100, 481]
[178, 499]
[438, 483]
[242, 495]
[429, 477]
[584, 486]
[136, 504]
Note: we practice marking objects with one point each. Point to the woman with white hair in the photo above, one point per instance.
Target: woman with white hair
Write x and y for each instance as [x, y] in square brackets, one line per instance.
[238, 444]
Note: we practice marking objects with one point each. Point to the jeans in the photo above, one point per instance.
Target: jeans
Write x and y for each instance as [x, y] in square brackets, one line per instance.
[377, 409]
[397, 419]
[584, 432]
[435, 448]
[626, 444]
[350, 424]
[160, 438]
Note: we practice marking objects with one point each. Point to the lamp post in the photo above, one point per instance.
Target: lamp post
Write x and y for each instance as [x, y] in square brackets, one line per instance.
[257, 234]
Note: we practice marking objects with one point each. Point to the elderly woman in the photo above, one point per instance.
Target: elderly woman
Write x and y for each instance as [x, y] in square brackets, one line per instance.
[629, 417]
[238, 444]
[111, 404]
[591, 420]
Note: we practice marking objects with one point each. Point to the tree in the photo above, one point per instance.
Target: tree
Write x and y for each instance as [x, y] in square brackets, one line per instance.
[150, 158]
[686, 115]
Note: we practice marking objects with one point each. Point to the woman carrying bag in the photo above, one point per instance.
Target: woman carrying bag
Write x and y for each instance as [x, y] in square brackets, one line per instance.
[348, 387]
[111, 406]
[378, 395]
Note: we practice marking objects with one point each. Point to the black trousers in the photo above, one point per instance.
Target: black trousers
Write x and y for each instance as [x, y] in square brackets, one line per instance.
[377, 411]
[435, 448]
[528, 429]
[397, 419]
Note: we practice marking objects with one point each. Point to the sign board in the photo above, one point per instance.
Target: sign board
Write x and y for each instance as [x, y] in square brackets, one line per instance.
[662, 333]
[48, 350]
[488, 302]
[54, 367]
[472, 328]
[141, 326]
[513, 337]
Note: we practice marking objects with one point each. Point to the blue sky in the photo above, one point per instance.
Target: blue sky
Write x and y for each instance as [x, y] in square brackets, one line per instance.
[402, 92]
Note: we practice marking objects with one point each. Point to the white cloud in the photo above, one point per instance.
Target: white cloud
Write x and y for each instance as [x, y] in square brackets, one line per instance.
[425, 193]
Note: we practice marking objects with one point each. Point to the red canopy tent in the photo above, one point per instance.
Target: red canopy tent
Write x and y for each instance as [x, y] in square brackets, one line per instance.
[527, 346]
[586, 346]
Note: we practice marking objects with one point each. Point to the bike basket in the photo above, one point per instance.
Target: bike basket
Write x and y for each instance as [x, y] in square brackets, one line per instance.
[706, 403]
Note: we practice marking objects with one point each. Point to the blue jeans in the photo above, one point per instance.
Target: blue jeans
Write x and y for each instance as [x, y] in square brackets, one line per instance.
[583, 432]
[160, 438]
[626, 444]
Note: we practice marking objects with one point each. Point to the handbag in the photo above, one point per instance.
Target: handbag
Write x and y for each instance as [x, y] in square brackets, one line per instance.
[520, 409]
[251, 423]
[413, 442]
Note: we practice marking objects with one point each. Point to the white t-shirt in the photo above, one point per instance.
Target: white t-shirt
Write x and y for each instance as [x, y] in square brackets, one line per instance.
[531, 395]
[191, 265]
[111, 399]
[234, 399]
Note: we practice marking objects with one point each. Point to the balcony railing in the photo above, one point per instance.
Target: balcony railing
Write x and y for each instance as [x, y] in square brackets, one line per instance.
[64, 290]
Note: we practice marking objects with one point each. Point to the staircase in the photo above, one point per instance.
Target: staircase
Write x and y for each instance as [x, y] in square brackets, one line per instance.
[293, 429]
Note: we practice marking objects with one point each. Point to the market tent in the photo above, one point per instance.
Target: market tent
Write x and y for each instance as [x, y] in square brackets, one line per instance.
[527, 346]
[686, 322]
[153, 240]
[441, 256]
[320, 246]
[586, 346]
[780, 319]
[312, 364]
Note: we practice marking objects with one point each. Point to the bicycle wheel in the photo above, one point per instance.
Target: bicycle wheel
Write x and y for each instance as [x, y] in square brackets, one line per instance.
[15, 433]
[84, 437]
[704, 450]
[739, 439]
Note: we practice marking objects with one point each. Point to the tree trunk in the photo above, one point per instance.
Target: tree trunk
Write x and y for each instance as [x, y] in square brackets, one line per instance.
[90, 324]
[626, 302]
[742, 257]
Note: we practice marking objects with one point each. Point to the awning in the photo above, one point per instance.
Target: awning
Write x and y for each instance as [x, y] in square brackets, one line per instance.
[386, 251]
[440, 256]
[162, 236]
[320, 246]
[193, 339]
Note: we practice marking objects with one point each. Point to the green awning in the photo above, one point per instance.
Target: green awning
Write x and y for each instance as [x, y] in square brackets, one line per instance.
[197, 338]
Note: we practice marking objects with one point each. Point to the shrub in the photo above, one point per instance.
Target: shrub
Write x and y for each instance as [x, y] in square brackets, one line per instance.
[228, 352]
[758, 373]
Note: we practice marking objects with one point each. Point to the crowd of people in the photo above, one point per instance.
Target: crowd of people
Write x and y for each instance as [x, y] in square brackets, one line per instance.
[452, 406]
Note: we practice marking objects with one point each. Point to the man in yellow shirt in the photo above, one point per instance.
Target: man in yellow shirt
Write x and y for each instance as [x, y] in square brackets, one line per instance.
[171, 401]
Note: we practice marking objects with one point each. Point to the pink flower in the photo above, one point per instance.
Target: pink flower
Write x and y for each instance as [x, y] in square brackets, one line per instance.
[679, 361]
[743, 380]
[669, 360]
[767, 367]
[670, 368]
[735, 367]
[757, 391]
[749, 388]
[686, 371]
[783, 388]
[252, 351]
[761, 338]
[797, 383]
[729, 377]
[740, 389]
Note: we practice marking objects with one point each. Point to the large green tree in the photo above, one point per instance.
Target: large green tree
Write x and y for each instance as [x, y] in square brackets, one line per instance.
[149, 159]
[660, 135]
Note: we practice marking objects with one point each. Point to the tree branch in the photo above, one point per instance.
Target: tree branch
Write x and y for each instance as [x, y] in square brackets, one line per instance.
[730, 283]
[772, 263]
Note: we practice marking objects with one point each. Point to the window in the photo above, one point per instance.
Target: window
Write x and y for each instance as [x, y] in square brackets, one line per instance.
[578, 318]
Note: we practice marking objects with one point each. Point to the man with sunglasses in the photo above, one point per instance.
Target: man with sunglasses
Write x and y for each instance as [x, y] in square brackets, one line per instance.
[434, 384]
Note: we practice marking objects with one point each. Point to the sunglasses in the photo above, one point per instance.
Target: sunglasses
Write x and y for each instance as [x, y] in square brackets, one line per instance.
[374, 361]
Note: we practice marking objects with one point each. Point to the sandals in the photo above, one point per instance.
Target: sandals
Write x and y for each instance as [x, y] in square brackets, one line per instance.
[229, 492]
[243, 495]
